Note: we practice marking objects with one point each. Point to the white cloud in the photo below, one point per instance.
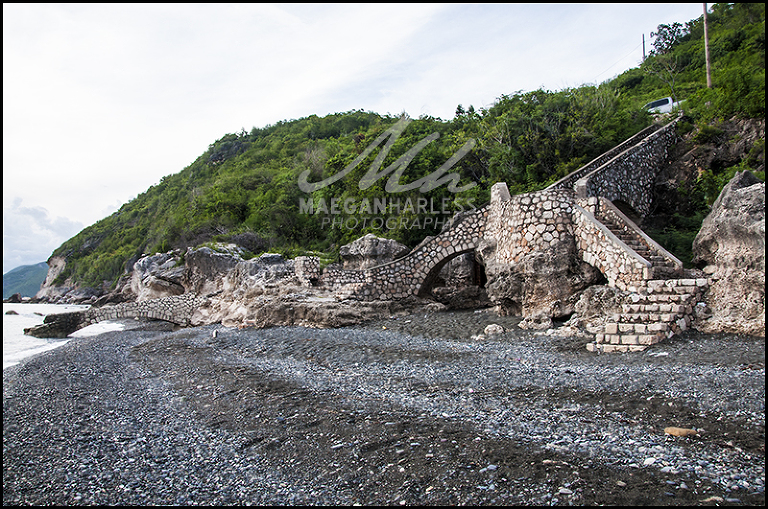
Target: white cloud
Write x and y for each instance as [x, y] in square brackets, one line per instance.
[30, 234]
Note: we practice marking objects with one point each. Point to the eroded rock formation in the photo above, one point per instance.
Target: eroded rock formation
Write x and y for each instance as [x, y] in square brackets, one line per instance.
[531, 259]
[731, 247]
[369, 251]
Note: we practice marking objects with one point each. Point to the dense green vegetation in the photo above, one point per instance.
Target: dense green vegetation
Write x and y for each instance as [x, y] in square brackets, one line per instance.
[244, 188]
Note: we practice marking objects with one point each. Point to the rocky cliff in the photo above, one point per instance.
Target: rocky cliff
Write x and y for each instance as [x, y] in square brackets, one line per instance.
[731, 247]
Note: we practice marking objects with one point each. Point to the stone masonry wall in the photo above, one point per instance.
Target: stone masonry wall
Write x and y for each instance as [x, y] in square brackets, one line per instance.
[600, 248]
[569, 181]
[629, 176]
[406, 276]
[307, 269]
[177, 309]
[528, 222]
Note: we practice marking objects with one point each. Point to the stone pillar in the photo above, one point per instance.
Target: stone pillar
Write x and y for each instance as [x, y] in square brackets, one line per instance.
[500, 193]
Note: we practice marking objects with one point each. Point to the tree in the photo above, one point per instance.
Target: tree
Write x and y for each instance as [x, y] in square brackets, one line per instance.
[667, 37]
[667, 68]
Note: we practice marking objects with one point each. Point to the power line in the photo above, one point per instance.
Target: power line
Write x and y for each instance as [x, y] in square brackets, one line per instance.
[617, 61]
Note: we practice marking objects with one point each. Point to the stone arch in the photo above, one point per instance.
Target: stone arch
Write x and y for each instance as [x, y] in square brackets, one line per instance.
[429, 280]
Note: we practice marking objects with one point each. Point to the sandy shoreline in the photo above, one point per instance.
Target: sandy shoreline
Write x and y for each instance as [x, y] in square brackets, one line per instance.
[373, 415]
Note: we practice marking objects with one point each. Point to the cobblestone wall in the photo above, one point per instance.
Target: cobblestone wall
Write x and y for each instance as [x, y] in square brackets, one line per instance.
[407, 276]
[628, 175]
[177, 309]
[603, 250]
[569, 181]
[528, 222]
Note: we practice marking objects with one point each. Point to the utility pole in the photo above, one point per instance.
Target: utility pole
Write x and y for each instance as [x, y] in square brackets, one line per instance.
[706, 49]
[643, 47]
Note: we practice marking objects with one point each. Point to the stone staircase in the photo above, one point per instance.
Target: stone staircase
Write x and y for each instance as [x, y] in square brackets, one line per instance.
[656, 311]
[661, 305]
[663, 266]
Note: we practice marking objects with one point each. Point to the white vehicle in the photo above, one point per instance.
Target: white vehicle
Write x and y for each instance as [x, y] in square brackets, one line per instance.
[662, 105]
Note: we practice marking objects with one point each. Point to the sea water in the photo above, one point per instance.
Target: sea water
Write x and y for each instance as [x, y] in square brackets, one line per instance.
[17, 345]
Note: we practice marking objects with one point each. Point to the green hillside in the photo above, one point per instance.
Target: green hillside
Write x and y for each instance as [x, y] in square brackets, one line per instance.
[24, 280]
[245, 187]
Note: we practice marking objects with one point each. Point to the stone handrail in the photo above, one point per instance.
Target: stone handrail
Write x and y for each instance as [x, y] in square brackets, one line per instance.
[599, 247]
[608, 208]
[569, 181]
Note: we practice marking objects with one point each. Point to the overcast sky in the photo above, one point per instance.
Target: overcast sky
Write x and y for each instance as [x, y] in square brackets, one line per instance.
[101, 101]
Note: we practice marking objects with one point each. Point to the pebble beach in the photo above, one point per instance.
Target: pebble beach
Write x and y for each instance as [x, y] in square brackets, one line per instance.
[420, 409]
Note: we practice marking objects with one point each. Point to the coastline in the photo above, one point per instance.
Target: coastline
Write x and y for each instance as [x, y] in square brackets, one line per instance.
[374, 415]
[18, 346]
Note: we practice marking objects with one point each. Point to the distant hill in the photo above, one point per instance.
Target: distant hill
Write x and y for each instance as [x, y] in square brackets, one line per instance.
[25, 280]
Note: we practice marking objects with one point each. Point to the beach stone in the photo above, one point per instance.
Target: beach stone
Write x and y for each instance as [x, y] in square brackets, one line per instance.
[369, 251]
[492, 329]
[680, 432]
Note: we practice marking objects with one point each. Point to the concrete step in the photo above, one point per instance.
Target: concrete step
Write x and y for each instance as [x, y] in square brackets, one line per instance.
[659, 298]
[640, 341]
[657, 307]
[636, 318]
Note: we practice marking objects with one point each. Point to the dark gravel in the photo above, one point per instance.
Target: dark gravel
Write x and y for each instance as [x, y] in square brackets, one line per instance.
[402, 411]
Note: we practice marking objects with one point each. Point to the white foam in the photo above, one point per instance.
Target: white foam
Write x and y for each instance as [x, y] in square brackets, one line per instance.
[18, 346]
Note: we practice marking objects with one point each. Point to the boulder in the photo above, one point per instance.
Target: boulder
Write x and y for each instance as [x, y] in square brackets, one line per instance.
[731, 248]
[158, 275]
[493, 328]
[369, 251]
[540, 284]
[258, 275]
[206, 268]
[596, 304]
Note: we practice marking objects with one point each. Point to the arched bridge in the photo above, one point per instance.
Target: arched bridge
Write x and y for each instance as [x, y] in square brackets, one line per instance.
[414, 273]
[177, 309]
